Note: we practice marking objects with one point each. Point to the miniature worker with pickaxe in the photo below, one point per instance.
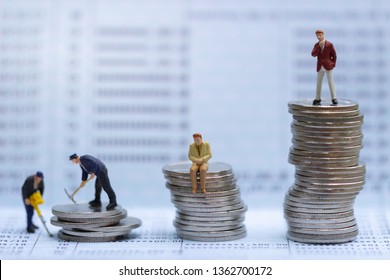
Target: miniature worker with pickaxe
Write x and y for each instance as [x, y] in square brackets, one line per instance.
[95, 167]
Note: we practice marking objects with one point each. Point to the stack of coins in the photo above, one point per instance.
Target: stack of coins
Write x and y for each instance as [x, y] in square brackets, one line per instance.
[326, 141]
[83, 223]
[217, 215]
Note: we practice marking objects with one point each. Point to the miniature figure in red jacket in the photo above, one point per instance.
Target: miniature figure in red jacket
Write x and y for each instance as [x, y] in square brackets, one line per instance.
[326, 61]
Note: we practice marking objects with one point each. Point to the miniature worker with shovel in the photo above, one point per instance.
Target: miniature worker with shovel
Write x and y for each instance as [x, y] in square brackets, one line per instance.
[95, 167]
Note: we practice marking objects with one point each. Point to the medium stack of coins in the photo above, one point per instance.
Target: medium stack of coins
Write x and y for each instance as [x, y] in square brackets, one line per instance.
[326, 141]
[217, 215]
[83, 223]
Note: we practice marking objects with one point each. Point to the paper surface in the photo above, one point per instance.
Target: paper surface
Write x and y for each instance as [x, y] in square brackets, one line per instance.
[156, 239]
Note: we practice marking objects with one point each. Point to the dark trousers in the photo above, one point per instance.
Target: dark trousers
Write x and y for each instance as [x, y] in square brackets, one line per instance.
[30, 213]
[102, 181]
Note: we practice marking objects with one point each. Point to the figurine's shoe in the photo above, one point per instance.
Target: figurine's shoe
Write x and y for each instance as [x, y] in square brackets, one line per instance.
[317, 102]
[111, 205]
[204, 191]
[30, 230]
[35, 227]
[335, 102]
[95, 203]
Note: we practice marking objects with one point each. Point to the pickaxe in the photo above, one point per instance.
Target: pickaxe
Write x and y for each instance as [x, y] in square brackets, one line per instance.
[74, 193]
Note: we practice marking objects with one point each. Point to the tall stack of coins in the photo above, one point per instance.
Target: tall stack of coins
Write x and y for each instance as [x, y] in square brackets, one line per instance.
[326, 141]
[217, 215]
[83, 223]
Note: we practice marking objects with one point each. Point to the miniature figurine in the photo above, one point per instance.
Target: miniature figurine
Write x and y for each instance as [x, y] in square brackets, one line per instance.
[199, 153]
[95, 167]
[326, 61]
[36, 199]
[32, 184]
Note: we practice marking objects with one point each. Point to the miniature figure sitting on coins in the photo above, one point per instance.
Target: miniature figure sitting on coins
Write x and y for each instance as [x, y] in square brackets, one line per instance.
[326, 61]
[199, 153]
[93, 166]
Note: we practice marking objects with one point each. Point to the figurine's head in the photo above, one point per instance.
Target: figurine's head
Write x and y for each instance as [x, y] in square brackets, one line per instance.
[38, 176]
[74, 158]
[320, 35]
[197, 138]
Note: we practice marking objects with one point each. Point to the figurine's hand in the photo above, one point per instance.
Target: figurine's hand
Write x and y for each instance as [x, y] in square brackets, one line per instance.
[199, 161]
[91, 177]
[27, 201]
[83, 184]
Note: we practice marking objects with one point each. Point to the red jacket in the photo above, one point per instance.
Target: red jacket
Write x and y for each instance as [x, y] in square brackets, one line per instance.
[327, 57]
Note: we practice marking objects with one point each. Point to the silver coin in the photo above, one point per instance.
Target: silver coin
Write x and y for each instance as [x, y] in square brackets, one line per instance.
[209, 206]
[205, 228]
[325, 123]
[321, 147]
[318, 205]
[323, 231]
[188, 193]
[317, 200]
[313, 146]
[55, 221]
[325, 114]
[304, 193]
[214, 168]
[236, 231]
[333, 187]
[213, 238]
[328, 162]
[84, 210]
[307, 225]
[187, 178]
[216, 209]
[357, 118]
[329, 185]
[360, 170]
[324, 220]
[325, 131]
[316, 210]
[67, 237]
[239, 220]
[207, 199]
[333, 239]
[113, 218]
[310, 215]
[209, 185]
[324, 138]
[297, 129]
[341, 179]
[207, 219]
[327, 153]
[81, 233]
[125, 224]
[326, 104]
[188, 189]
[227, 213]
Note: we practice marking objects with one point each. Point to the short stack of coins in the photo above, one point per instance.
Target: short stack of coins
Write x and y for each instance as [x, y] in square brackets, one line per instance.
[215, 216]
[84, 223]
[327, 140]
